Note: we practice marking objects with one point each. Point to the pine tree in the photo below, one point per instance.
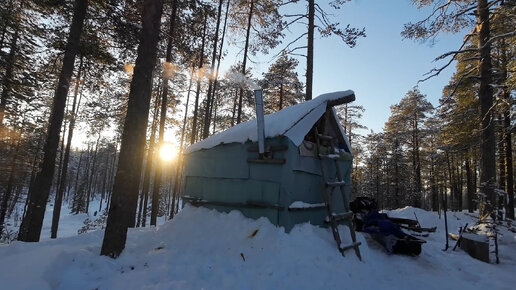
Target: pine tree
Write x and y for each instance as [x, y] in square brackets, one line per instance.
[30, 228]
[125, 189]
[407, 122]
[281, 85]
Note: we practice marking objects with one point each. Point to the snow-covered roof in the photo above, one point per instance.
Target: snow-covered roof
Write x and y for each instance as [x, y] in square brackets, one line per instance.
[293, 122]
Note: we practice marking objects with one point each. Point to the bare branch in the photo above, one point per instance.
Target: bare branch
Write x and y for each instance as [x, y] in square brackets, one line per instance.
[458, 83]
[287, 25]
[290, 43]
[436, 71]
[455, 52]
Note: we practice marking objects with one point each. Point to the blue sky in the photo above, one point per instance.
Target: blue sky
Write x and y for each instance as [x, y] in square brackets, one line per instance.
[383, 66]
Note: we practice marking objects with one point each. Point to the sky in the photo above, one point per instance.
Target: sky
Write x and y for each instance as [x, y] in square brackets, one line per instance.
[383, 67]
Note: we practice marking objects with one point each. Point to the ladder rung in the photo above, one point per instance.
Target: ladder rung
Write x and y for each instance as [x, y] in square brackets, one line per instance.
[353, 245]
[335, 183]
[342, 216]
[329, 156]
[325, 137]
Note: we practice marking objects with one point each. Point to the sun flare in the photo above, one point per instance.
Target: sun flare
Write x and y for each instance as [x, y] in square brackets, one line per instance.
[168, 152]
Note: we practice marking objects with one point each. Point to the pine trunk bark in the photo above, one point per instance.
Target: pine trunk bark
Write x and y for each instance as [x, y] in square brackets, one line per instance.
[163, 115]
[310, 50]
[209, 102]
[244, 61]
[433, 187]
[10, 184]
[485, 94]
[175, 192]
[64, 171]
[124, 199]
[92, 178]
[104, 181]
[5, 22]
[470, 186]
[507, 138]
[417, 162]
[281, 96]
[150, 162]
[30, 228]
[193, 138]
[213, 108]
[75, 207]
[509, 173]
[9, 71]
[142, 218]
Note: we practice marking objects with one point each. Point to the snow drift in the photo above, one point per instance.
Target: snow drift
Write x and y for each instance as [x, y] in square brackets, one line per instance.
[205, 249]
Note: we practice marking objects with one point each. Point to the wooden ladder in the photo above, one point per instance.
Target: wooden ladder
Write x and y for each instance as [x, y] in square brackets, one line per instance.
[332, 187]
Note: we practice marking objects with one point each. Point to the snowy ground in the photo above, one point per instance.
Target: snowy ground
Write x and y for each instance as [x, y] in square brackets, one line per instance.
[203, 249]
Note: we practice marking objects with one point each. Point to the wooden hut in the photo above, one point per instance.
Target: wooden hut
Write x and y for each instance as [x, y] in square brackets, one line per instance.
[225, 171]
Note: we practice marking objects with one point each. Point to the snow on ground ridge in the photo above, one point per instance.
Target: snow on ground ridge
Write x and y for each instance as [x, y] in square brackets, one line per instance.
[203, 248]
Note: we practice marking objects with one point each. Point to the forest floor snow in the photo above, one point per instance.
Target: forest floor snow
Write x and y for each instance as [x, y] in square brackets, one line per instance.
[205, 249]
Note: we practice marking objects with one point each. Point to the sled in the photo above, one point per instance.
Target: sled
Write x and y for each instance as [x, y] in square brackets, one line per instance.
[408, 245]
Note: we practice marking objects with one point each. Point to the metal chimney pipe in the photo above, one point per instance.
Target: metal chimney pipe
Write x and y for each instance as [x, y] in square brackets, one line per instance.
[258, 100]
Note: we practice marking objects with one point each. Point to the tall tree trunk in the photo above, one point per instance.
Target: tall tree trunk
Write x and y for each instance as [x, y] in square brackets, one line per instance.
[207, 117]
[509, 174]
[30, 228]
[62, 184]
[92, 178]
[244, 61]
[175, 193]
[9, 66]
[9, 71]
[193, 138]
[501, 154]
[377, 180]
[470, 186]
[281, 96]
[79, 199]
[501, 202]
[5, 22]
[61, 150]
[10, 183]
[396, 176]
[163, 115]
[213, 109]
[185, 119]
[433, 186]
[124, 199]
[75, 207]
[234, 108]
[112, 174]
[507, 141]
[142, 218]
[417, 161]
[460, 175]
[310, 50]
[104, 181]
[485, 94]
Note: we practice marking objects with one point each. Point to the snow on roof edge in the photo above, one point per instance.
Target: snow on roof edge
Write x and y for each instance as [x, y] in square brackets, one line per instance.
[280, 123]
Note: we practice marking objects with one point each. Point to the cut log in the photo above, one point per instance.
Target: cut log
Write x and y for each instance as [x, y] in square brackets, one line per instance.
[418, 229]
[404, 221]
[477, 246]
